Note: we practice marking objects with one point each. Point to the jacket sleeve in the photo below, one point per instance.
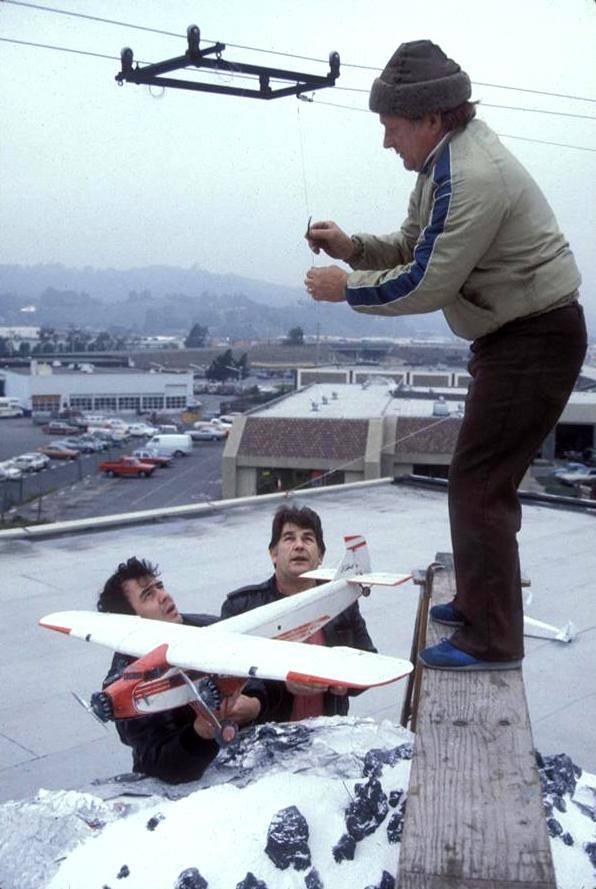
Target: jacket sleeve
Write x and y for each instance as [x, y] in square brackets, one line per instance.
[164, 745]
[166, 750]
[464, 220]
[229, 608]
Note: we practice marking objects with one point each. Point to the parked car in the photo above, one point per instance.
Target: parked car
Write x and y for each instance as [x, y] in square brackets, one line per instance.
[98, 444]
[171, 445]
[215, 423]
[207, 432]
[77, 444]
[139, 430]
[127, 466]
[31, 462]
[147, 455]
[112, 436]
[583, 476]
[59, 427]
[167, 428]
[569, 467]
[10, 472]
[58, 451]
[94, 419]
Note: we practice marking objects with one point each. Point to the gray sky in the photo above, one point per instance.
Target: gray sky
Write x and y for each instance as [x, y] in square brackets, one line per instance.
[101, 175]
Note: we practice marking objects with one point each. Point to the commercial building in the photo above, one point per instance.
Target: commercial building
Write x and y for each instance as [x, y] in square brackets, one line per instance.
[338, 433]
[435, 377]
[363, 426]
[55, 386]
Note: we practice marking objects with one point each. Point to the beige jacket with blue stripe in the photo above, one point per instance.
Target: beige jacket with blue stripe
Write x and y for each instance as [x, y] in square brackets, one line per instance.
[480, 242]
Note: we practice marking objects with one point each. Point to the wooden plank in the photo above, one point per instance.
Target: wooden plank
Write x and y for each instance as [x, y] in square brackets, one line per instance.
[474, 817]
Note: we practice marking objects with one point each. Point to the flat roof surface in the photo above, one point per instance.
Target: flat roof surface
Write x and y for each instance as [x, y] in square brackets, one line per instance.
[353, 401]
[47, 739]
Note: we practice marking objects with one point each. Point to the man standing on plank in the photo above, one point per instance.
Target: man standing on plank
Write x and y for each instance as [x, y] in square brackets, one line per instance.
[481, 243]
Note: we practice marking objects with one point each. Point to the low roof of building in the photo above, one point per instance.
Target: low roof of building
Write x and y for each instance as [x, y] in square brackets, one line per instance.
[353, 401]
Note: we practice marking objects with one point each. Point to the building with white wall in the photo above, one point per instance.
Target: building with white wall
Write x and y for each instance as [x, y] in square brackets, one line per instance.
[334, 433]
[55, 386]
[338, 432]
[435, 377]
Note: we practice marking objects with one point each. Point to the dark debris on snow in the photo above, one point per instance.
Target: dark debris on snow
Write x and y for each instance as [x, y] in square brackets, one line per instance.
[190, 879]
[313, 881]
[287, 839]
[387, 882]
[251, 882]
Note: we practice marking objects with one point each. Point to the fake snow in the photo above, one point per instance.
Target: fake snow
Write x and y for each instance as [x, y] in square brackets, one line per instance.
[316, 787]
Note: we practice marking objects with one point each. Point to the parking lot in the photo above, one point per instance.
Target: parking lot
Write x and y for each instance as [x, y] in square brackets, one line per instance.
[77, 489]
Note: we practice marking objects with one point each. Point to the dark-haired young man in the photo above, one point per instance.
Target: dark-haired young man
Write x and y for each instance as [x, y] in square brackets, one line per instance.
[297, 546]
[174, 745]
[481, 243]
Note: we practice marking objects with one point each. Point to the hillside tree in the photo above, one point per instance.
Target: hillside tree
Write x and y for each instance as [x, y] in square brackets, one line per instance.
[197, 337]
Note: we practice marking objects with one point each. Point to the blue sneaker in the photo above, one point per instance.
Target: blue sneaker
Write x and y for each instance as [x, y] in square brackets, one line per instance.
[446, 656]
[446, 614]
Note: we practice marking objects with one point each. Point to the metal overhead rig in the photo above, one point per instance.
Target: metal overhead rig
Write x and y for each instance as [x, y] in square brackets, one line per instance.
[152, 75]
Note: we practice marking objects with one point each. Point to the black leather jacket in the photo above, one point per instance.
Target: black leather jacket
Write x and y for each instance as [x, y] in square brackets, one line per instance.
[348, 628]
[165, 745]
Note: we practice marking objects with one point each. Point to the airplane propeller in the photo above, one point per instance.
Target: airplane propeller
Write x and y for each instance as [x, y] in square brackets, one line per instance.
[88, 708]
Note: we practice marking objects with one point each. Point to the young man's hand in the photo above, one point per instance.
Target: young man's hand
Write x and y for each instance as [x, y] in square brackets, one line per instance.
[241, 709]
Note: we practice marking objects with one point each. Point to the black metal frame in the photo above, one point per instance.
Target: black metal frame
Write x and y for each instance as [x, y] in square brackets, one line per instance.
[199, 58]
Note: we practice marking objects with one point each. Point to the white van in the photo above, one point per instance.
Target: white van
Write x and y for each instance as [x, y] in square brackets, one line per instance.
[168, 445]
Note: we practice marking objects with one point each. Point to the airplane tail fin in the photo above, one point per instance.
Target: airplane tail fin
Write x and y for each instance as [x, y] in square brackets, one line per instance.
[355, 567]
[356, 559]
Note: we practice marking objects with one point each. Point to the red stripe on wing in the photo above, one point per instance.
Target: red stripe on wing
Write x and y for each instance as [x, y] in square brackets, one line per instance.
[66, 630]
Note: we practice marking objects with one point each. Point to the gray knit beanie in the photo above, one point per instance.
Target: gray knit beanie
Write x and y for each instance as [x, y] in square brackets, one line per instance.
[419, 79]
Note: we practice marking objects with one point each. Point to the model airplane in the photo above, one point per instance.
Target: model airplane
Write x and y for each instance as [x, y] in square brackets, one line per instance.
[203, 666]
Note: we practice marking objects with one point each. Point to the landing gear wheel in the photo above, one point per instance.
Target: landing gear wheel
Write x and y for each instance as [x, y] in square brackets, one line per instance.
[227, 733]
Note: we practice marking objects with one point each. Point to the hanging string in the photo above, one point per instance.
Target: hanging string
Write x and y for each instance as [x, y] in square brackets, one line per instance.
[309, 218]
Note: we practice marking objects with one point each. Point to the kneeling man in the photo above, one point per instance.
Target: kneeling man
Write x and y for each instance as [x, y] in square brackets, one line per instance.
[174, 745]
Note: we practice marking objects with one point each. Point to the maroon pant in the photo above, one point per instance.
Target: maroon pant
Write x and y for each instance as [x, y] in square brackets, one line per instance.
[522, 376]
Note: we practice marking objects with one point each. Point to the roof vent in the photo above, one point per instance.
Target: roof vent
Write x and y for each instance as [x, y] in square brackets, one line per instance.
[314, 406]
[325, 400]
[334, 395]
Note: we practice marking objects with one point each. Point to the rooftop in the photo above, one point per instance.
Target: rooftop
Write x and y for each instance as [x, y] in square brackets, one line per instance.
[365, 401]
[47, 740]
[356, 401]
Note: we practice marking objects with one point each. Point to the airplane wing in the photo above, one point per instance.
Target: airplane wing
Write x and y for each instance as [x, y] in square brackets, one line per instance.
[210, 650]
[375, 578]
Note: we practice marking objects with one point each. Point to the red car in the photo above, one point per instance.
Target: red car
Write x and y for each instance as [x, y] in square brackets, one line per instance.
[127, 466]
[57, 427]
[58, 452]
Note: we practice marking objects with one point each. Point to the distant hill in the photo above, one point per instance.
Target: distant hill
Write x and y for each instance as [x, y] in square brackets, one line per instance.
[167, 299]
[114, 285]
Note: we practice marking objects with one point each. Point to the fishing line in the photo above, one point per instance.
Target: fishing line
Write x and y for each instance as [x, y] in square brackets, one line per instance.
[309, 217]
